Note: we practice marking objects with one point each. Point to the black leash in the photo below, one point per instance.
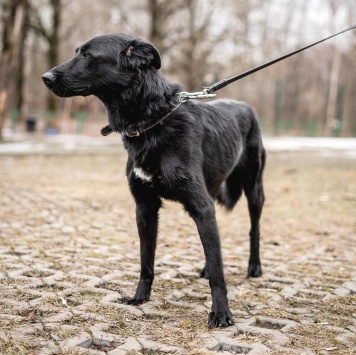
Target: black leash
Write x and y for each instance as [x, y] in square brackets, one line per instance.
[207, 93]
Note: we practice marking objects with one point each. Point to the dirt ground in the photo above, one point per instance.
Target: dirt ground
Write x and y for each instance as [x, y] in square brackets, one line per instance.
[69, 257]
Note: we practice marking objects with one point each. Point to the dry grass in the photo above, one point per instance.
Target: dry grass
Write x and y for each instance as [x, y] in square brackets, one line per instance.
[81, 320]
[251, 337]
[124, 328]
[10, 346]
[65, 332]
[315, 337]
[341, 306]
[37, 273]
[275, 312]
[181, 334]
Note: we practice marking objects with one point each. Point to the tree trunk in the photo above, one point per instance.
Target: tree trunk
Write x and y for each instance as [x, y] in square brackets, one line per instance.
[51, 35]
[53, 50]
[13, 22]
[331, 103]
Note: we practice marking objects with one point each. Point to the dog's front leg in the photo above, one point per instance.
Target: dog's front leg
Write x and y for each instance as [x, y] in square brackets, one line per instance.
[202, 210]
[147, 224]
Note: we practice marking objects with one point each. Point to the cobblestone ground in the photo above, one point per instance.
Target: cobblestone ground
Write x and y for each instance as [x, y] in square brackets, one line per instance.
[69, 257]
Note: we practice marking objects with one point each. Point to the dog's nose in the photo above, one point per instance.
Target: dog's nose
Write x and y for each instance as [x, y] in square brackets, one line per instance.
[48, 78]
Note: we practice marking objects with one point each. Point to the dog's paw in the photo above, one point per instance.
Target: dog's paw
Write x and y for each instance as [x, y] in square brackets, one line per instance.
[204, 274]
[220, 319]
[254, 270]
[135, 301]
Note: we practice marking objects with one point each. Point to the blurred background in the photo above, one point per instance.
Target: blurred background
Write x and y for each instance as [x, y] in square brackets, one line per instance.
[201, 42]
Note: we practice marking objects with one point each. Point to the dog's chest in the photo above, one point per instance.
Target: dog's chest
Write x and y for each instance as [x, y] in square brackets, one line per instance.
[142, 174]
[166, 185]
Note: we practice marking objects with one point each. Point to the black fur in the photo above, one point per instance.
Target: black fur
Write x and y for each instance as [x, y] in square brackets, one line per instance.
[200, 152]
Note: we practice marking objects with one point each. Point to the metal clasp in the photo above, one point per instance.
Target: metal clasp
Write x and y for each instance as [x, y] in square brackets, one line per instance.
[199, 95]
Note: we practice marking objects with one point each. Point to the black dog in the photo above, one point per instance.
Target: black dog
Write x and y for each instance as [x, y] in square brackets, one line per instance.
[189, 152]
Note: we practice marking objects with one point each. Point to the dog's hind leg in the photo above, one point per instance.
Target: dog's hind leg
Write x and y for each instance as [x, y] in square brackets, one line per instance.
[147, 208]
[253, 187]
[231, 190]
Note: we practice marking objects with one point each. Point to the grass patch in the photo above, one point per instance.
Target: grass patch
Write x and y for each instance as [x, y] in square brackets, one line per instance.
[109, 285]
[74, 280]
[268, 324]
[254, 295]
[96, 255]
[10, 281]
[253, 337]
[65, 332]
[128, 277]
[63, 301]
[111, 312]
[9, 324]
[9, 346]
[194, 299]
[85, 294]
[73, 352]
[3, 268]
[124, 328]
[340, 274]
[321, 287]
[310, 295]
[149, 352]
[20, 295]
[278, 313]
[160, 285]
[33, 314]
[298, 303]
[314, 336]
[171, 308]
[50, 288]
[341, 306]
[175, 336]
[37, 273]
[242, 306]
[304, 268]
[195, 324]
[84, 321]
[5, 307]
[333, 320]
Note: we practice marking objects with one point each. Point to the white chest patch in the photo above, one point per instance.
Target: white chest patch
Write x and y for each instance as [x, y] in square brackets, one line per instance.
[143, 175]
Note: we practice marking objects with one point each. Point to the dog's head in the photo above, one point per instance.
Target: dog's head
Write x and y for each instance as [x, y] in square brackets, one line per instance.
[108, 62]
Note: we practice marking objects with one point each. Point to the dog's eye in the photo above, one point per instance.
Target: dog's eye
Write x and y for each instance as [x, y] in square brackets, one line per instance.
[86, 54]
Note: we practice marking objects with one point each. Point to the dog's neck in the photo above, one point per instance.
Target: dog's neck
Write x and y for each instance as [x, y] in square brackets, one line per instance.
[147, 100]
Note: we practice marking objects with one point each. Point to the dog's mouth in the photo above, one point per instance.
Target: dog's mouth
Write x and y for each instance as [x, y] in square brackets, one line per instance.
[63, 91]
[61, 87]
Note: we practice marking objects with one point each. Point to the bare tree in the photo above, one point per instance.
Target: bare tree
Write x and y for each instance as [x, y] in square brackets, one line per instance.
[14, 14]
[50, 33]
[203, 41]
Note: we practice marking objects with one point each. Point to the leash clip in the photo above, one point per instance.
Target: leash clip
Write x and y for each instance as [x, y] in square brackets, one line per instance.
[184, 96]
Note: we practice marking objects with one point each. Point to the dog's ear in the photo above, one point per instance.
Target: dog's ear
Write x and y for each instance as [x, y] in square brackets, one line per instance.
[138, 54]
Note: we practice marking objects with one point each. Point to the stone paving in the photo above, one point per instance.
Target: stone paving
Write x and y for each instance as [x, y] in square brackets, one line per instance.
[69, 257]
